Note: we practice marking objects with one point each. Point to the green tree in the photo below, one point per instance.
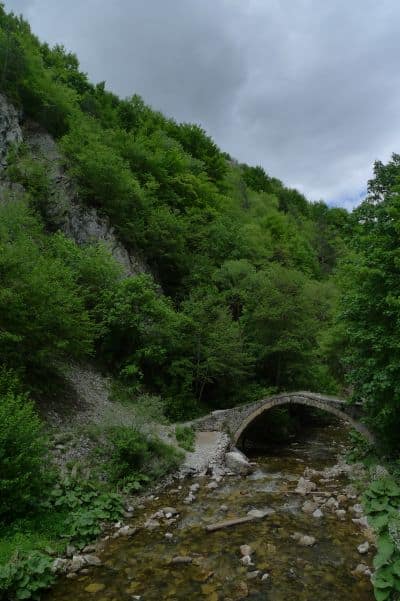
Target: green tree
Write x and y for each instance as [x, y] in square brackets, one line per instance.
[370, 305]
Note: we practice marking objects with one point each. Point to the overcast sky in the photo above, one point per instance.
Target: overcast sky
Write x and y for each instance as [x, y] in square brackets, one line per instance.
[309, 89]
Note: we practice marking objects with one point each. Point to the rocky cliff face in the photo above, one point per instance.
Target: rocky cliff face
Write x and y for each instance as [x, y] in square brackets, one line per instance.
[10, 130]
[65, 211]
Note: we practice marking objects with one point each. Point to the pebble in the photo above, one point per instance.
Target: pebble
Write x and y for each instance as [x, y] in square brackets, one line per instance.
[317, 513]
[169, 535]
[265, 577]
[246, 560]
[223, 508]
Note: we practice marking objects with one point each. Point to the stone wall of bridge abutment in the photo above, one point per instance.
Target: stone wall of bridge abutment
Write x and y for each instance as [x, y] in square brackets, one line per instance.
[235, 421]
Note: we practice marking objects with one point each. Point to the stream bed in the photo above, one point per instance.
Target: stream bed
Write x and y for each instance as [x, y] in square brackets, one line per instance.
[141, 566]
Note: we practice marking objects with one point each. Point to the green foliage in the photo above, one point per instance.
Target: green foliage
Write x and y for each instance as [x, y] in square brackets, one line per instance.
[26, 576]
[138, 330]
[43, 317]
[241, 262]
[370, 310]
[137, 459]
[22, 450]
[185, 435]
[382, 502]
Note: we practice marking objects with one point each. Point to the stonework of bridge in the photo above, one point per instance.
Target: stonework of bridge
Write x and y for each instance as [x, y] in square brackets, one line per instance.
[236, 420]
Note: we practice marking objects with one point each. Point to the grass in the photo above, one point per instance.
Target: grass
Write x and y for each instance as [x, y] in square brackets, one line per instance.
[44, 532]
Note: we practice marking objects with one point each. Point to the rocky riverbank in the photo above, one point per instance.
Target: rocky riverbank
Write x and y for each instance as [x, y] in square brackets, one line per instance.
[265, 525]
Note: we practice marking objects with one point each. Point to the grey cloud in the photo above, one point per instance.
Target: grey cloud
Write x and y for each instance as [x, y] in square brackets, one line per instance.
[308, 89]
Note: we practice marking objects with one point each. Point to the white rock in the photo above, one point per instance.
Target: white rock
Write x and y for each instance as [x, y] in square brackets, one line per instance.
[363, 522]
[92, 560]
[151, 524]
[260, 513]
[77, 563]
[224, 508]
[363, 548]
[170, 510]
[169, 535]
[253, 575]
[246, 550]
[238, 463]
[305, 486]
[246, 560]
[194, 487]
[317, 514]
[357, 508]
[332, 504]
[182, 559]
[60, 565]
[341, 514]
[307, 541]
[212, 485]
[128, 530]
[264, 577]
[308, 507]
[361, 570]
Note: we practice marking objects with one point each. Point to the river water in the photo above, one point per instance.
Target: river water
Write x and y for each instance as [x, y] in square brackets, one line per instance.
[140, 567]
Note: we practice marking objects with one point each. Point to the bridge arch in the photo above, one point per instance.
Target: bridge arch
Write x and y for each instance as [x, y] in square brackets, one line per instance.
[336, 407]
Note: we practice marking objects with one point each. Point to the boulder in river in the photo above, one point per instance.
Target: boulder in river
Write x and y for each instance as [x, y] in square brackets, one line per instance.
[238, 463]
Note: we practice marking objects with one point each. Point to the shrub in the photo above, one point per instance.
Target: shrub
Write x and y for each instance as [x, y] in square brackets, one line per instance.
[185, 436]
[381, 502]
[22, 450]
[137, 459]
[25, 576]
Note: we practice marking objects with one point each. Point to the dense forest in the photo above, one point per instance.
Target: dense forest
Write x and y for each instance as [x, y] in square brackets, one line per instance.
[249, 288]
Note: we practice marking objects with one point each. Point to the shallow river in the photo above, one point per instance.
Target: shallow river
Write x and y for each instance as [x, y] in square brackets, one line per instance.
[140, 568]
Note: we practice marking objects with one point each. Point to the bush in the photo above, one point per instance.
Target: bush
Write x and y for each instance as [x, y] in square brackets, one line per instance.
[25, 576]
[381, 502]
[22, 450]
[185, 435]
[137, 459]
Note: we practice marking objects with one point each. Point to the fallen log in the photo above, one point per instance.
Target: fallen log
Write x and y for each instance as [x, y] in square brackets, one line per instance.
[230, 523]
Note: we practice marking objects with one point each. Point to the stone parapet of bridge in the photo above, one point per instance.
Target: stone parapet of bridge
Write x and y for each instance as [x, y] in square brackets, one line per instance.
[236, 420]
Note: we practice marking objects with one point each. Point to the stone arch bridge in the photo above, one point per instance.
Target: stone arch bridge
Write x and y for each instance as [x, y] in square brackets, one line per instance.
[236, 420]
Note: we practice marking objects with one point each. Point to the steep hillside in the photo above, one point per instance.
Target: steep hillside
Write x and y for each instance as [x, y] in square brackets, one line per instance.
[234, 291]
